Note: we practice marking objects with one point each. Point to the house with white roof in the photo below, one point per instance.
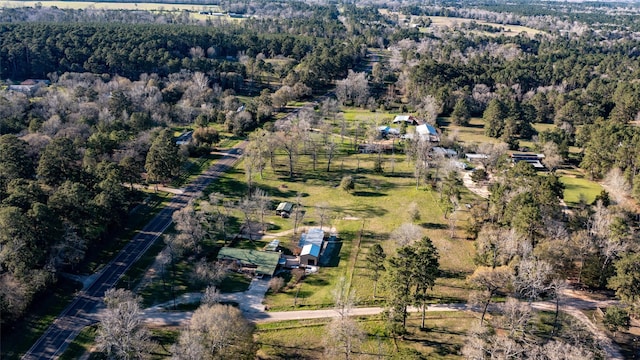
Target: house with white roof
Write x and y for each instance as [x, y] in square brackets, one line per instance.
[428, 132]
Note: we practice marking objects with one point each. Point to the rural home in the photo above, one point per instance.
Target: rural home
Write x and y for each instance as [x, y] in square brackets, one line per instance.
[428, 132]
[310, 255]
[184, 138]
[408, 119]
[533, 159]
[29, 86]
[252, 261]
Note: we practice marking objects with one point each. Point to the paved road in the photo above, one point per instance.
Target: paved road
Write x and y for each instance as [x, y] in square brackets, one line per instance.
[81, 311]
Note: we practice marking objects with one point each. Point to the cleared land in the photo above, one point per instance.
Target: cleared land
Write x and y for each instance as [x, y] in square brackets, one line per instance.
[111, 5]
[509, 30]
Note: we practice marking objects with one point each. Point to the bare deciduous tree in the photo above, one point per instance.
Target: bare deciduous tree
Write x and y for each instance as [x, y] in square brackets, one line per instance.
[322, 210]
[491, 280]
[209, 273]
[215, 332]
[354, 88]
[552, 158]
[121, 333]
[344, 334]
[406, 234]
[533, 278]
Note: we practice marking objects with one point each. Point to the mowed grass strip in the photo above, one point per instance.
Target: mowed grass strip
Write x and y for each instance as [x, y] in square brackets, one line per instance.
[443, 337]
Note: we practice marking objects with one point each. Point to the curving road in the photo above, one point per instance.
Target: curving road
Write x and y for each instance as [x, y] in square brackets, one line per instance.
[81, 311]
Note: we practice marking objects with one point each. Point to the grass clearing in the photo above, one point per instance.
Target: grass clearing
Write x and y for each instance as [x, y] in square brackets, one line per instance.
[378, 202]
[472, 134]
[509, 30]
[442, 338]
[576, 186]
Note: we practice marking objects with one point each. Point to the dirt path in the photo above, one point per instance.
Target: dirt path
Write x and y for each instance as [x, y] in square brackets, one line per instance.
[482, 191]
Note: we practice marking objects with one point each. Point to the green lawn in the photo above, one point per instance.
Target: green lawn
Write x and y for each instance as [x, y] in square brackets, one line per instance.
[576, 186]
[378, 202]
[443, 338]
[470, 134]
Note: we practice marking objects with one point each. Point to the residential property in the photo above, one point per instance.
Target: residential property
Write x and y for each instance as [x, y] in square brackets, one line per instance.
[272, 246]
[251, 261]
[386, 131]
[476, 158]
[29, 86]
[408, 119]
[531, 158]
[284, 209]
[310, 255]
[311, 243]
[428, 132]
[440, 151]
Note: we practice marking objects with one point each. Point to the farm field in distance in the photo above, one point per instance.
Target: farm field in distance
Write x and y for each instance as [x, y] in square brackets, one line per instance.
[112, 5]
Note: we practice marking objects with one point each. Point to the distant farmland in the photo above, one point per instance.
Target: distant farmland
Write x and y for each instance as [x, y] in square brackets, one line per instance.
[112, 5]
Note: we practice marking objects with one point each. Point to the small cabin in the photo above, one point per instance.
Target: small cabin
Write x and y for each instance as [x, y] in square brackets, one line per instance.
[284, 209]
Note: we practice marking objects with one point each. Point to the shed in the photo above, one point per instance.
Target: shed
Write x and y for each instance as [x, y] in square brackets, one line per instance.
[262, 262]
[437, 150]
[310, 254]
[284, 209]
[533, 159]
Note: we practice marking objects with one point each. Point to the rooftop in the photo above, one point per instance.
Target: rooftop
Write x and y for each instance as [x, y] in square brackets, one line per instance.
[310, 249]
[313, 236]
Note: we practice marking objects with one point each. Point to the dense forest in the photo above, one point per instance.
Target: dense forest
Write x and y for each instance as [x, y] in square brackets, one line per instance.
[87, 97]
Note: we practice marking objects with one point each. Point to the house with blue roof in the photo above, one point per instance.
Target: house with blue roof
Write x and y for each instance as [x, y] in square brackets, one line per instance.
[428, 132]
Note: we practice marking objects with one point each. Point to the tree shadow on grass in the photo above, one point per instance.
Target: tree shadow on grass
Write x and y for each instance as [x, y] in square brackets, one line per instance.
[434, 226]
[368, 194]
[448, 274]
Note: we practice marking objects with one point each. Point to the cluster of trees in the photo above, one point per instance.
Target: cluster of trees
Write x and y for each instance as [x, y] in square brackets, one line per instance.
[52, 209]
[28, 50]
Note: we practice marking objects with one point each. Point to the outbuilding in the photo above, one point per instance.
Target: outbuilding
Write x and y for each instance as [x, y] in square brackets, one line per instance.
[284, 209]
[310, 254]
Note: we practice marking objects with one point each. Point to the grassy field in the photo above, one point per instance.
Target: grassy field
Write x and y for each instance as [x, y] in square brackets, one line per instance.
[468, 135]
[509, 30]
[576, 186]
[377, 205]
[442, 338]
